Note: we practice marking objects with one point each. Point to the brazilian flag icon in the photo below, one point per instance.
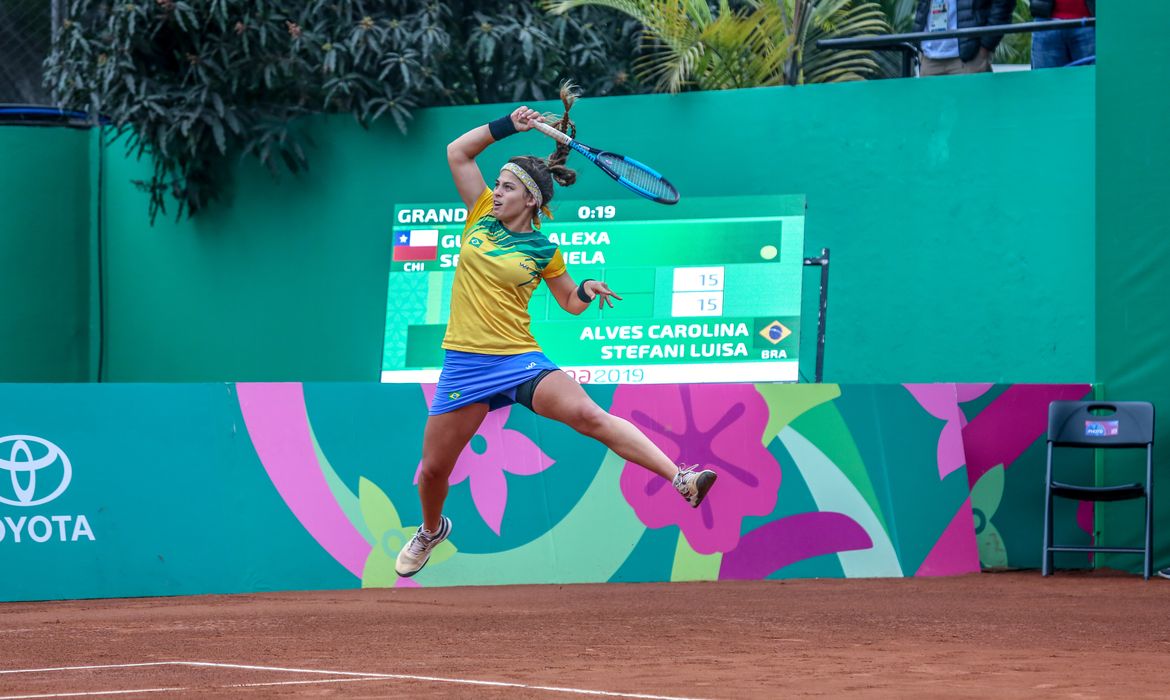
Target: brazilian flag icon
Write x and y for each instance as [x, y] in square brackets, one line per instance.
[775, 332]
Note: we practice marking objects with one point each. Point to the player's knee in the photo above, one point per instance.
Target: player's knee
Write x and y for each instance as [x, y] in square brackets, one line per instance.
[430, 471]
[591, 420]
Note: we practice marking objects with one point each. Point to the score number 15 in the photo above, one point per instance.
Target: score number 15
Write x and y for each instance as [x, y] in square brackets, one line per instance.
[711, 304]
[697, 291]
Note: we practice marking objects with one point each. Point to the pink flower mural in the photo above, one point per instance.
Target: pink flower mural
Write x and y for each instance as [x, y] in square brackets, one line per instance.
[941, 401]
[493, 452]
[717, 426]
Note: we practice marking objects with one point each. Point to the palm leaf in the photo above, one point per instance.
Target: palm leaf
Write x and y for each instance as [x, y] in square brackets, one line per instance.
[841, 18]
[687, 44]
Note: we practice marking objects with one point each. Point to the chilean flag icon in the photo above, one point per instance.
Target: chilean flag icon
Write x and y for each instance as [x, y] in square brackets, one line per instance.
[416, 245]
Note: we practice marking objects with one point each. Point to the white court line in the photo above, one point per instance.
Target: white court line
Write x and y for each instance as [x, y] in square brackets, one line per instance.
[367, 680]
[327, 680]
[88, 668]
[351, 676]
[247, 667]
[438, 679]
[96, 692]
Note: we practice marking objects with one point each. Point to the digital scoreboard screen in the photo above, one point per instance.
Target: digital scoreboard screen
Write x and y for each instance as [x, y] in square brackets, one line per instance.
[710, 289]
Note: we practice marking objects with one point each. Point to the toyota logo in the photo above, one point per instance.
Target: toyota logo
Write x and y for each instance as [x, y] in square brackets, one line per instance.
[23, 457]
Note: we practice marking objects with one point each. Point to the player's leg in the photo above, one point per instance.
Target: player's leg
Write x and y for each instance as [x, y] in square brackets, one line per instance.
[559, 397]
[444, 438]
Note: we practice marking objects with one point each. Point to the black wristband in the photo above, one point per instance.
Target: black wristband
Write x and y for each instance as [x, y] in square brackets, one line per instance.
[502, 127]
[581, 292]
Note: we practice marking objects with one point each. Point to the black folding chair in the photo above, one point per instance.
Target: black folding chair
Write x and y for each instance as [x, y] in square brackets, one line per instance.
[1100, 425]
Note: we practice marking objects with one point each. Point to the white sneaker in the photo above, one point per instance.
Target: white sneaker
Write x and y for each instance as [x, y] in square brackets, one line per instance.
[1164, 573]
[417, 551]
[694, 485]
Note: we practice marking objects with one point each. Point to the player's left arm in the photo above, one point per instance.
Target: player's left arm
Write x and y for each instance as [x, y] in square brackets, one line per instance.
[565, 291]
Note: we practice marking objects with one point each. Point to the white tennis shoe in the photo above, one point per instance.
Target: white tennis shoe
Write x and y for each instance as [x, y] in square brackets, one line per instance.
[693, 485]
[417, 551]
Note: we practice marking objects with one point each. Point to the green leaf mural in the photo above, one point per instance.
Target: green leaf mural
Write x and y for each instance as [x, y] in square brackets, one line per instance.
[689, 565]
[381, 518]
[834, 492]
[985, 499]
[589, 544]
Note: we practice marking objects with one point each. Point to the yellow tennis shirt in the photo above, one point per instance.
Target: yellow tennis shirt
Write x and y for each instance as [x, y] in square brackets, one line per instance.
[497, 274]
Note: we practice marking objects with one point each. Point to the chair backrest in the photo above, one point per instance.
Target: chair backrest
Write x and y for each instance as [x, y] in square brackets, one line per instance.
[1101, 423]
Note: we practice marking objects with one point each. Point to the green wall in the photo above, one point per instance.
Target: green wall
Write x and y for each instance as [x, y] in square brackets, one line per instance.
[949, 263]
[46, 176]
[1133, 245]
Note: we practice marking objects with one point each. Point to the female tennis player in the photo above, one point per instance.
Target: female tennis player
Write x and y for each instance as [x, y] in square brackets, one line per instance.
[491, 359]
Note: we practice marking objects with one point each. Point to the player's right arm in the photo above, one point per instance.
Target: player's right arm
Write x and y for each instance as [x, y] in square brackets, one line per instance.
[461, 154]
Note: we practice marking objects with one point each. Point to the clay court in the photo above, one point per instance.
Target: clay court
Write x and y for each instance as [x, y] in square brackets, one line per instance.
[983, 635]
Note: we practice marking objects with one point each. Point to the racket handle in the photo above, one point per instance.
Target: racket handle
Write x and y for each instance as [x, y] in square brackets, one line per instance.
[551, 132]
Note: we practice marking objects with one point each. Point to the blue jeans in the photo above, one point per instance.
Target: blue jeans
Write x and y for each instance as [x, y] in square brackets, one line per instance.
[1060, 47]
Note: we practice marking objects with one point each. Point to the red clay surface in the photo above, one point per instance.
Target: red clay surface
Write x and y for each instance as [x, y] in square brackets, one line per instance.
[984, 635]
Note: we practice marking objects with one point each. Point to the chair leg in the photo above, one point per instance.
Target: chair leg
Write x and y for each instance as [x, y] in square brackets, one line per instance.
[1149, 570]
[1046, 565]
[1046, 561]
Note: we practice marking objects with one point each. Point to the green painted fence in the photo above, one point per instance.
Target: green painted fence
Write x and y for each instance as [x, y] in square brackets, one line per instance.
[47, 182]
[1133, 252]
[113, 490]
[941, 255]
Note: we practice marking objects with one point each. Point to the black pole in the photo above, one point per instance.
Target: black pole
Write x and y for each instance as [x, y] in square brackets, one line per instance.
[907, 63]
[824, 316]
[822, 312]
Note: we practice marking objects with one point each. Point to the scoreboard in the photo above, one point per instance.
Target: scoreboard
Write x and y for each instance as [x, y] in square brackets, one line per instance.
[710, 288]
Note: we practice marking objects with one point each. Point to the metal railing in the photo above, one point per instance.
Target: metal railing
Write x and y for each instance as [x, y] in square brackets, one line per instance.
[26, 37]
[908, 43]
[38, 115]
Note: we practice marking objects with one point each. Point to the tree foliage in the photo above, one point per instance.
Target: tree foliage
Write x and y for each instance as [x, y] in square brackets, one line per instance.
[690, 44]
[199, 82]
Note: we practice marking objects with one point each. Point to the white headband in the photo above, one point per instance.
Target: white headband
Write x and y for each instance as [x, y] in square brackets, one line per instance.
[529, 184]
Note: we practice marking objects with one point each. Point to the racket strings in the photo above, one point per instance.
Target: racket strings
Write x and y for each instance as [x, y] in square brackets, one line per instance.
[654, 184]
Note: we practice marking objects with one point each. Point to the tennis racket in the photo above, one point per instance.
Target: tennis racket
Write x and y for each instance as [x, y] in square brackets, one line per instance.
[635, 176]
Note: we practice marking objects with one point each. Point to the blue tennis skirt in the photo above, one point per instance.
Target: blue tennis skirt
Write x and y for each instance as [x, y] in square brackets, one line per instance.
[470, 377]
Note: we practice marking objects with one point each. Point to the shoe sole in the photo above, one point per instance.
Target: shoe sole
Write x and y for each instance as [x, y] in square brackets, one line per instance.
[446, 521]
[702, 485]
